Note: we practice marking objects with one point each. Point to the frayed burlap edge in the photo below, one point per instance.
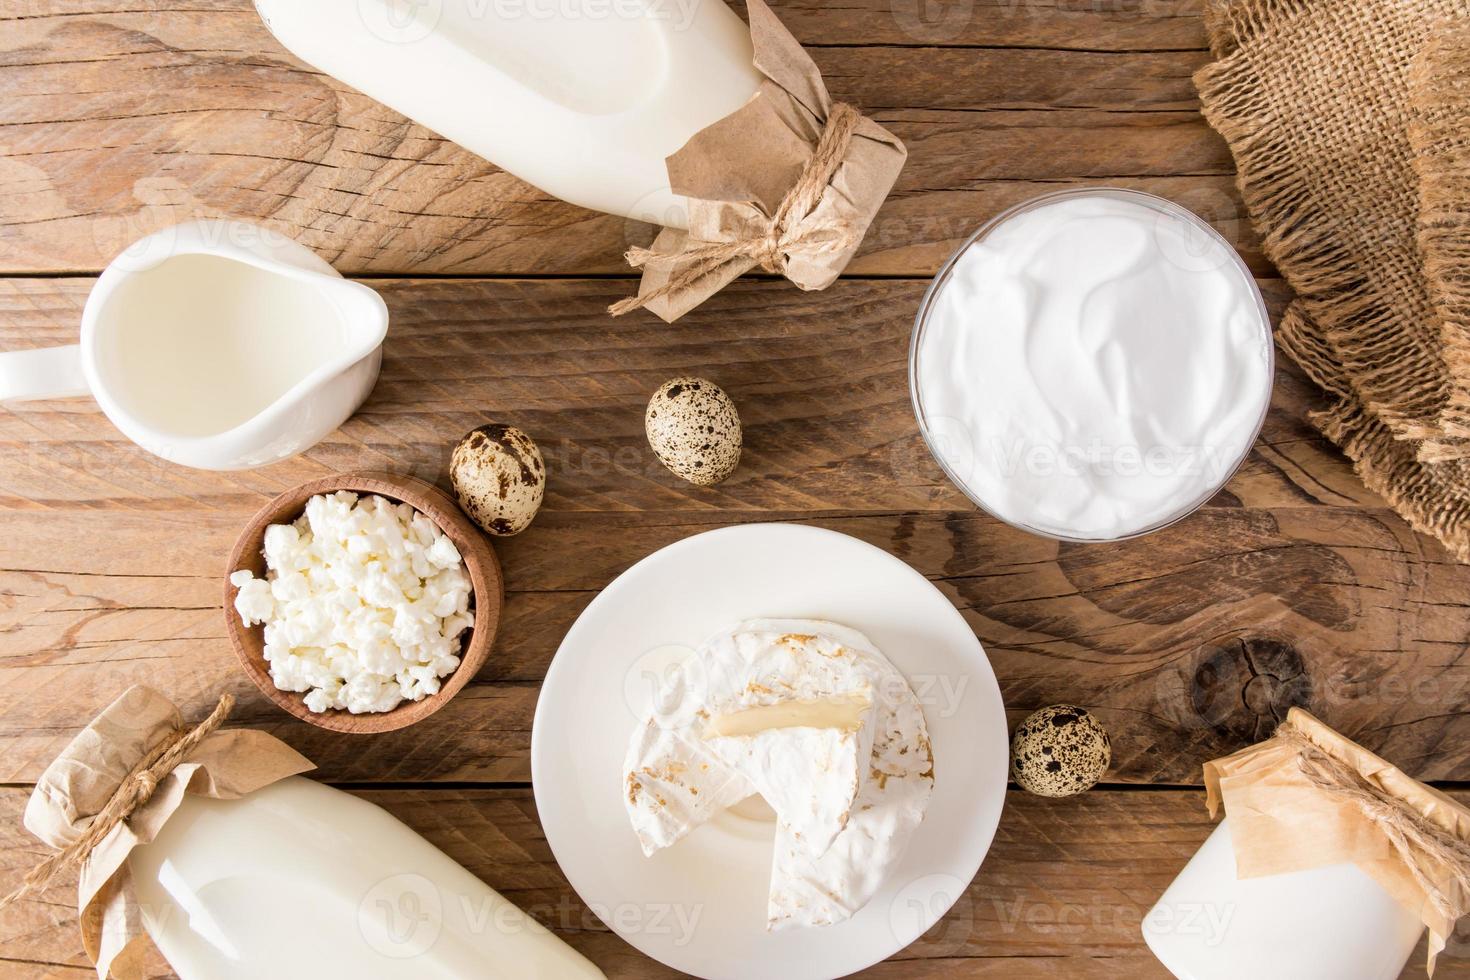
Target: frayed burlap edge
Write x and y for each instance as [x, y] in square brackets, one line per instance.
[1404, 384]
[1435, 499]
[1439, 131]
[1386, 465]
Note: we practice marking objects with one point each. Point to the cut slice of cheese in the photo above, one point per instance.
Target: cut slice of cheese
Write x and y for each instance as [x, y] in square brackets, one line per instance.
[821, 890]
[672, 784]
[806, 758]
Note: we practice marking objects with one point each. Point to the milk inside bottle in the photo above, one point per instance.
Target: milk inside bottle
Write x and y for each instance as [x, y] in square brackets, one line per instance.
[581, 98]
[1329, 923]
[298, 879]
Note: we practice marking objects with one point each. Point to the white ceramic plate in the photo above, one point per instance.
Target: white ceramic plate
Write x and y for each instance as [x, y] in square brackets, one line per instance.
[699, 906]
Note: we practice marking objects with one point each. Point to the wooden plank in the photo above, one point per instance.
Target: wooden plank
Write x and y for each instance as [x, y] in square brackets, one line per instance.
[1294, 586]
[121, 119]
[1118, 25]
[821, 380]
[1061, 894]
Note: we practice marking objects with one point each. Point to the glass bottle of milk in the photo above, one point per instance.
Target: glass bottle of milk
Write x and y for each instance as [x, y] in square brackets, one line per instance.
[581, 98]
[1327, 923]
[298, 879]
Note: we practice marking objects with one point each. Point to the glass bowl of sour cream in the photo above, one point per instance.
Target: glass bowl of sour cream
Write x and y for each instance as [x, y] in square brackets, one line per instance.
[1092, 365]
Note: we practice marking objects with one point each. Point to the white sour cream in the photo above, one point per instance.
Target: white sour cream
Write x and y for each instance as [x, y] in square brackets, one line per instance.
[1094, 366]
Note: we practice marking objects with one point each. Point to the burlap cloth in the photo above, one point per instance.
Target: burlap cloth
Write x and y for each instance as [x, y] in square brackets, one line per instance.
[1439, 132]
[1347, 119]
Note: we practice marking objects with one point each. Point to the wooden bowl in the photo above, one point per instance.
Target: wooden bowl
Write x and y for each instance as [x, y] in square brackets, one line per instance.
[479, 558]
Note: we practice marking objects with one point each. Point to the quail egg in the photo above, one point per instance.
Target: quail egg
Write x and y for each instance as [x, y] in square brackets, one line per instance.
[694, 430]
[1059, 751]
[499, 478]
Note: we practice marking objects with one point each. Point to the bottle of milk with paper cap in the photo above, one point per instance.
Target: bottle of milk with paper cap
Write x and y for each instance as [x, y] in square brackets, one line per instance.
[239, 868]
[1330, 865]
[582, 98]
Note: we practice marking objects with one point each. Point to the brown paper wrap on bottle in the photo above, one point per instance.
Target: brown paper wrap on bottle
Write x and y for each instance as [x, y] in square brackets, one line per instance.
[1349, 807]
[75, 788]
[737, 172]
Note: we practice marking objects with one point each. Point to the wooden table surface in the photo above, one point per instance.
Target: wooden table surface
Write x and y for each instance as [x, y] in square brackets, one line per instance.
[1293, 586]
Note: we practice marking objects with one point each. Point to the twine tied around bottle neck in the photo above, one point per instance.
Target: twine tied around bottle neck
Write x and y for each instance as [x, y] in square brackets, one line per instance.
[1411, 836]
[786, 233]
[134, 791]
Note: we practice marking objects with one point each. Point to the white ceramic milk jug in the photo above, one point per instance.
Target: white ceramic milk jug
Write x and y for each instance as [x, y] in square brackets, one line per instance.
[581, 98]
[300, 880]
[1329, 923]
[216, 344]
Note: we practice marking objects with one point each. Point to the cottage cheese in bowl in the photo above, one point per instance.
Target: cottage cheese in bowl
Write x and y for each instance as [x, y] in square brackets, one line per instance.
[1092, 365]
[364, 603]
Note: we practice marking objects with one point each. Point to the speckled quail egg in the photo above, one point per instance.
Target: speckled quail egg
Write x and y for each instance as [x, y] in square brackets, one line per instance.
[694, 430]
[1059, 751]
[499, 478]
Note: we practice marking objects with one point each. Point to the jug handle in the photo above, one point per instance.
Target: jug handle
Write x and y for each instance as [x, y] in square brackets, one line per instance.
[50, 372]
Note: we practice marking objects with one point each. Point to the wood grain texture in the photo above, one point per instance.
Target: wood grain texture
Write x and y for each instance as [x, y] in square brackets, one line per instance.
[1294, 586]
[122, 119]
[1061, 895]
